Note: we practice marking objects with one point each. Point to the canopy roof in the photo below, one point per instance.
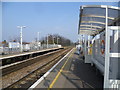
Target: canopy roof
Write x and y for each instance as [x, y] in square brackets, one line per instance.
[93, 18]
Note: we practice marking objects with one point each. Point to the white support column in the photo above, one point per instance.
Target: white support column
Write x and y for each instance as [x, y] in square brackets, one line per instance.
[21, 40]
[38, 36]
[38, 40]
[87, 55]
[86, 58]
[53, 40]
[47, 40]
[107, 50]
[57, 40]
[82, 40]
[88, 44]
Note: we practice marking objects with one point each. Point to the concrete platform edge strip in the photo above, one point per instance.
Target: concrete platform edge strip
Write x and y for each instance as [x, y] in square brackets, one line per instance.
[47, 73]
[27, 53]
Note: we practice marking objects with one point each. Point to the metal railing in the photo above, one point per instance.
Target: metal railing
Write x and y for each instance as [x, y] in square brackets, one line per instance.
[9, 51]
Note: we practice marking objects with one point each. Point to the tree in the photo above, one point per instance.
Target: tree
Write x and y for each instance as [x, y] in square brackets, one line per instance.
[62, 40]
[4, 43]
[14, 39]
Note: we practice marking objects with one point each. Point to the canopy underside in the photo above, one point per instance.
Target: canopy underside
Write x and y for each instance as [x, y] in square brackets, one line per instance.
[93, 18]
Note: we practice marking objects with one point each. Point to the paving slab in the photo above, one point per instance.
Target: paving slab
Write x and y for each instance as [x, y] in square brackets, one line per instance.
[72, 72]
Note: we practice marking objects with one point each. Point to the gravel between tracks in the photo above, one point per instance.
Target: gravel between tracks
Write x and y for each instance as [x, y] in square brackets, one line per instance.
[14, 76]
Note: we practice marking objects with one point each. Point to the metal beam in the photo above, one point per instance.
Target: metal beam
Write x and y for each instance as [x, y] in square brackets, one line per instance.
[90, 26]
[87, 33]
[93, 31]
[87, 29]
[97, 16]
[92, 22]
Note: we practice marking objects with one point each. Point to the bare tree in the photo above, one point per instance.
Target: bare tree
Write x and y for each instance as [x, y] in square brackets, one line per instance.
[62, 40]
[14, 39]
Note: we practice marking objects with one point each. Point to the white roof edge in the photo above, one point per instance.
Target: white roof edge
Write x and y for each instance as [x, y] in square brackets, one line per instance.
[101, 6]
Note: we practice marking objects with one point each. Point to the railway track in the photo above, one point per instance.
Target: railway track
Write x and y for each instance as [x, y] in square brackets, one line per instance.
[21, 64]
[30, 78]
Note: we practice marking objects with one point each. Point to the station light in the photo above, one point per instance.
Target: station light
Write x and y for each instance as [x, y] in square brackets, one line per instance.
[21, 38]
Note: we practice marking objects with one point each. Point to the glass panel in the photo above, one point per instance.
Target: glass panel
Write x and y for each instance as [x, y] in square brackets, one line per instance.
[94, 11]
[114, 68]
[98, 19]
[113, 13]
[115, 61]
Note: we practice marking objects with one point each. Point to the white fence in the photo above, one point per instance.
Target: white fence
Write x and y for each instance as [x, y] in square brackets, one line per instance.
[26, 48]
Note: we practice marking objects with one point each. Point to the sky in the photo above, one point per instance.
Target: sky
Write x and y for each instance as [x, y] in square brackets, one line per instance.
[45, 17]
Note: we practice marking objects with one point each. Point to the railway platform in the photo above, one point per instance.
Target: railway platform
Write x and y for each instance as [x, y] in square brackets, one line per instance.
[25, 53]
[70, 72]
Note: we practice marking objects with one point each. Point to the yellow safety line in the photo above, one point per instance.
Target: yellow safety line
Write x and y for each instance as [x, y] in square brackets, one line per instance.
[53, 82]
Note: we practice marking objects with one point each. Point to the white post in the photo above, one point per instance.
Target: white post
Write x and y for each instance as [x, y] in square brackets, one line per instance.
[53, 41]
[21, 48]
[107, 50]
[21, 38]
[85, 48]
[57, 40]
[88, 44]
[82, 40]
[47, 41]
[38, 39]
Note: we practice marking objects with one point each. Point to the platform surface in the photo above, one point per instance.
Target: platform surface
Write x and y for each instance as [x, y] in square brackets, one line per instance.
[72, 72]
[24, 53]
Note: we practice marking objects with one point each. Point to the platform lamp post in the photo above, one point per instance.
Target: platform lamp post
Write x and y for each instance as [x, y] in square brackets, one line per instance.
[38, 35]
[57, 40]
[53, 40]
[21, 38]
[47, 40]
[38, 39]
